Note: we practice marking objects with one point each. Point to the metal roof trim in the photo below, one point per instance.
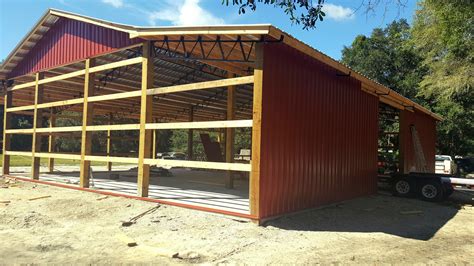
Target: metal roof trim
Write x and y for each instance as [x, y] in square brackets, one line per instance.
[318, 55]
[23, 41]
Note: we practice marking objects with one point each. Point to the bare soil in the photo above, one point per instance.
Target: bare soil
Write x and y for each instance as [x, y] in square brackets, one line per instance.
[82, 227]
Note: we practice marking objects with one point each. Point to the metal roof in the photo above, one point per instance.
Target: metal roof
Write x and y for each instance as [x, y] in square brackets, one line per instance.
[252, 31]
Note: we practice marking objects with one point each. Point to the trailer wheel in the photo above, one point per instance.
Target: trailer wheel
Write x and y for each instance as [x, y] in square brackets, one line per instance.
[431, 191]
[401, 187]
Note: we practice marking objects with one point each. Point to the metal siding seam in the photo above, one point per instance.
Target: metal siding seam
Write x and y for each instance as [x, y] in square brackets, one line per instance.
[321, 143]
[290, 146]
[306, 135]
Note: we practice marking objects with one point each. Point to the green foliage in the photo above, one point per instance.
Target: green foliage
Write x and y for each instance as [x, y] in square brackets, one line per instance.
[431, 63]
[443, 35]
[456, 131]
[386, 57]
[300, 11]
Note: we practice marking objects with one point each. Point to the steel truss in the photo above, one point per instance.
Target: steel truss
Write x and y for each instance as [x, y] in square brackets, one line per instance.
[187, 49]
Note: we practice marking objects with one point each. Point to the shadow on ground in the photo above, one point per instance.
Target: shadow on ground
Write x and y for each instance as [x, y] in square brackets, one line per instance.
[408, 218]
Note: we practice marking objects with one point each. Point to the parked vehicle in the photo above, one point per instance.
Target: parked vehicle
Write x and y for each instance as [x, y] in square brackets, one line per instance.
[171, 155]
[443, 164]
[427, 186]
[464, 167]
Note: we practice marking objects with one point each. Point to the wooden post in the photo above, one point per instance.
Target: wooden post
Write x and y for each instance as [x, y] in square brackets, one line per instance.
[190, 136]
[254, 193]
[109, 143]
[51, 140]
[6, 137]
[143, 178]
[229, 135]
[37, 118]
[153, 151]
[87, 117]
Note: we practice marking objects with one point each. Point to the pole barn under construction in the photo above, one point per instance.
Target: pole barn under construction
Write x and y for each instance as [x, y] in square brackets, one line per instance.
[312, 123]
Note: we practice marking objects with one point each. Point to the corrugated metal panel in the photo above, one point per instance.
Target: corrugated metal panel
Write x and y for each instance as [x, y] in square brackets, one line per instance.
[426, 127]
[68, 41]
[319, 134]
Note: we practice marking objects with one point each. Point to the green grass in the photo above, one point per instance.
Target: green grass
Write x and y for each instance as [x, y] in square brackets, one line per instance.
[26, 161]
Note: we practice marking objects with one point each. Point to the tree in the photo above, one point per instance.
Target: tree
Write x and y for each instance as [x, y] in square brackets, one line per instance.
[432, 63]
[386, 57]
[309, 12]
[443, 35]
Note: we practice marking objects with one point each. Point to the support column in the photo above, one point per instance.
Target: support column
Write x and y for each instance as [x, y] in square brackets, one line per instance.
[37, 118]
[254, 189]
[8, 100]
[190, 136]
[229, 135]
[153, 151]
[87, 117]
[51, 140]
[109, 143]
[143, 178]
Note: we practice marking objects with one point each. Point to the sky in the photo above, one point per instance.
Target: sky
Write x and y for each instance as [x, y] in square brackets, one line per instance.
[345, 19]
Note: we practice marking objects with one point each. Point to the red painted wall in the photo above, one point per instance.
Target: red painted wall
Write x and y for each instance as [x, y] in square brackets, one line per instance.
[319, 134]
[69, 41]
[426, 127]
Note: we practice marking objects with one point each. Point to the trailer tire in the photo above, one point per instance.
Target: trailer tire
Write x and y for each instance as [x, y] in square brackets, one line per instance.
[402, 187]
[431, 191]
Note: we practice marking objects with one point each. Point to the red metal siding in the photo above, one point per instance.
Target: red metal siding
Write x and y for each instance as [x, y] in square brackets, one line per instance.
[68, 41]
[426, 127]
[319, 134]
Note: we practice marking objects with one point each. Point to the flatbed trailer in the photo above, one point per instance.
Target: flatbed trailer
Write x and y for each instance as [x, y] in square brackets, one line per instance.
[428, 186]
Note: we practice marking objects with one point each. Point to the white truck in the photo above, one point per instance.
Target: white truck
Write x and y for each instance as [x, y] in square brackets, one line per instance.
[443, 164]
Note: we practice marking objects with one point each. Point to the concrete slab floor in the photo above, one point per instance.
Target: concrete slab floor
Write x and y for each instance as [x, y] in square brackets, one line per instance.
[201, 188]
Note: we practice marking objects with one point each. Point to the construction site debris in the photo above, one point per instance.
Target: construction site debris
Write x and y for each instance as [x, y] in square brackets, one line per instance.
[101, 198]
[133, 220]
[127, 240]
[187, 255]
[42, 197]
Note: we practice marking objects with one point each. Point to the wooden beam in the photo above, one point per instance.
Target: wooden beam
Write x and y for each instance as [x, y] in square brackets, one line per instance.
[58, 156]
[132, 94]
[112, 159]
[229, 134]
[190, 135]
[149, 126]
[146, 109]
[199, 164]
[51, 140]
[109, 143]
[254, 187]
[197, 125]
[204, 30]
[18, 153]
[202, 85]
[154, 91]
[37, 119]
[87, 117]
[8, 100]
[162, 162]
[80, 72]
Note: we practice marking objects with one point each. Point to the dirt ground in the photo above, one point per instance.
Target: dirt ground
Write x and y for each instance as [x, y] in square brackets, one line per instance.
[82, 227]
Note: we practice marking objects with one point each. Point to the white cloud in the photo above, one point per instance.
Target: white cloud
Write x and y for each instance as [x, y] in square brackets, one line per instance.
[184, 13]
[114, 3]
[337, 12]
